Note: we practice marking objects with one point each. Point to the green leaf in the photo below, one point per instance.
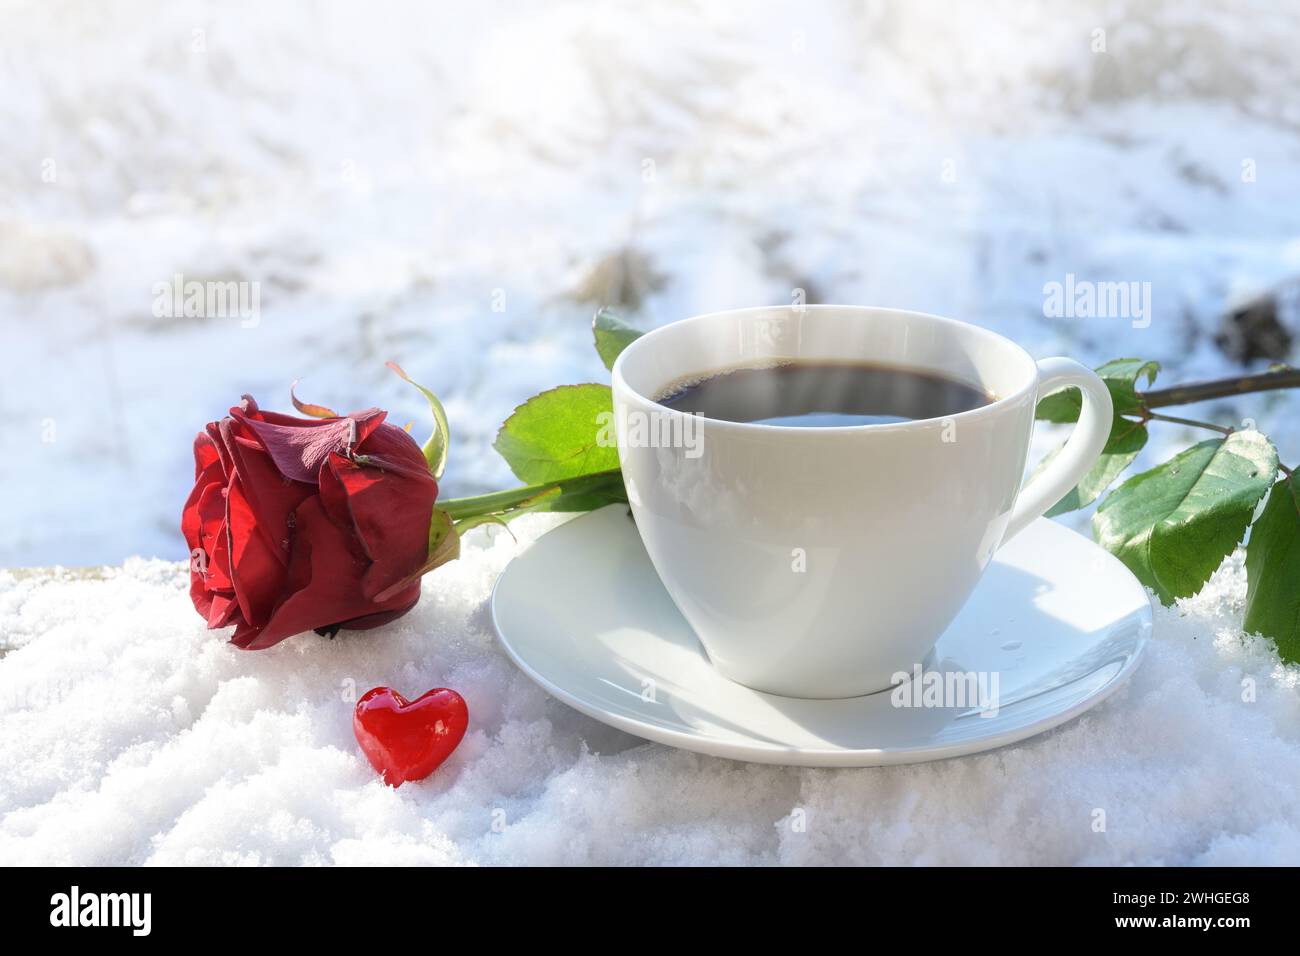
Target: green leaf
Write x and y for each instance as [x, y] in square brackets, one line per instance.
[561, 433]
[612, 336]
[444, 545]
[1127, 438]
[1121, 378]
[435, 449]
[1273, 571]
[1174, 525]
[1061, 407]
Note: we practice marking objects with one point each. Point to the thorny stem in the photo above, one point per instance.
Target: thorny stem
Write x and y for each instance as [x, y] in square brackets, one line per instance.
[1156, 416]
[458, 508]
[1221, 388]
[502, 501]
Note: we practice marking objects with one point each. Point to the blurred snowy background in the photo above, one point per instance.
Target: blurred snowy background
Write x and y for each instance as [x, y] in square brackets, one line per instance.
[458, 187]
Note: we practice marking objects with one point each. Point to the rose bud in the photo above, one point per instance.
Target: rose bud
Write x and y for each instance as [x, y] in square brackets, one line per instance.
[309, 524]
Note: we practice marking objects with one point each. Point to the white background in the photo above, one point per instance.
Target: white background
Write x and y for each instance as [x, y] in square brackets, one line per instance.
[383, 170]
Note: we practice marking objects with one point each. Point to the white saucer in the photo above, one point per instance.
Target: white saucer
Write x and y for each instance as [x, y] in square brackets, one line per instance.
[1061, 622]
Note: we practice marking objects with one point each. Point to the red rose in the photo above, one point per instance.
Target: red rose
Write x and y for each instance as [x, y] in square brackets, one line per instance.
[303, 524]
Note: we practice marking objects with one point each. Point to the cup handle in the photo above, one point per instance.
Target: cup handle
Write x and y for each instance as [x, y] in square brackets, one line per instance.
[1080, 452]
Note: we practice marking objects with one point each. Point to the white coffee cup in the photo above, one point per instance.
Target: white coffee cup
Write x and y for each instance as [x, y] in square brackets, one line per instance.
[821, 562]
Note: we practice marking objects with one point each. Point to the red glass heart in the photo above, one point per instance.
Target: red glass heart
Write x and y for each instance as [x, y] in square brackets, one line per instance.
[407, 739]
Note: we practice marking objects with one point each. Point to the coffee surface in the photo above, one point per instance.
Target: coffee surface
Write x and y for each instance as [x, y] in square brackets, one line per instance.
[824, 394]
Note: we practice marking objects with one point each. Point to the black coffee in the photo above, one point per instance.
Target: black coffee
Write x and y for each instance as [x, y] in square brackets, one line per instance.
[822, 394]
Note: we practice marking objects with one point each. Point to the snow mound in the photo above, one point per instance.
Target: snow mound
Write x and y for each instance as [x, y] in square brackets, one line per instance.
[130, 735]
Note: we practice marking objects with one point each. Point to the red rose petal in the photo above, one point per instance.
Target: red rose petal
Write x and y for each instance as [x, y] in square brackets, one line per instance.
[302, 522]
[322, 584]
[299, 446]
[257, 573]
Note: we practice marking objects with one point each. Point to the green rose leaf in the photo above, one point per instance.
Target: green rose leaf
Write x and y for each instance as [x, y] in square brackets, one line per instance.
[435, 449]
[444, 545]
[1127, 438]
[612, 336]
[1121, 378]
[1273, 571]
[561, 433]
[1174, 525]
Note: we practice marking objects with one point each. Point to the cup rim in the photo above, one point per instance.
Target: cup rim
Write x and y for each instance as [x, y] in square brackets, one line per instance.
[992, 408]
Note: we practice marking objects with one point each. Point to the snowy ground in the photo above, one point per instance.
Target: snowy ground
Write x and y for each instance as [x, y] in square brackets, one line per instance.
[458, 187]
[142, 739]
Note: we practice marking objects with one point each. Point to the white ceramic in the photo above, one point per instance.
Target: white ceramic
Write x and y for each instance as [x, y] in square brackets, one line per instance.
[1061, 622]
[818, 562]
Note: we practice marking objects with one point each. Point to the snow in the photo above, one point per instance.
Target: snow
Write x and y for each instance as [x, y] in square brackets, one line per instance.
[129, 735]
[458, 189]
